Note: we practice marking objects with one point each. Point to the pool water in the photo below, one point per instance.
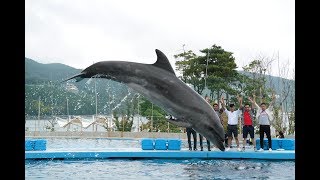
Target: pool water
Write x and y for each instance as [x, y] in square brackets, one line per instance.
[149, 168]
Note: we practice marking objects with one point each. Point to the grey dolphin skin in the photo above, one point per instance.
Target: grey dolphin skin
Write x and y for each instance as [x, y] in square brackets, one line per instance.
[159, 84]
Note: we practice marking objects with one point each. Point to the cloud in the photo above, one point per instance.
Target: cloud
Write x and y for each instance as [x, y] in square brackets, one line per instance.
[78, 33]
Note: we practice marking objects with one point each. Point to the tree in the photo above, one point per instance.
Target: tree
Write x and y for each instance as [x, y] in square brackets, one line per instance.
[256, 80]
[221, 71]
[123, 125]
[291, 114]
[187, 64]
[183, 63]
[215, 70]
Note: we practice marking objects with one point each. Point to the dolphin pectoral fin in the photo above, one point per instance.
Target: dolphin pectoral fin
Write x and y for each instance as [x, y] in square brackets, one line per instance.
[179, 122]
[163, 62]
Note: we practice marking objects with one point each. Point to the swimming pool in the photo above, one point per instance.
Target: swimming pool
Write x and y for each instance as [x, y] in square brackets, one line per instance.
[149, 168]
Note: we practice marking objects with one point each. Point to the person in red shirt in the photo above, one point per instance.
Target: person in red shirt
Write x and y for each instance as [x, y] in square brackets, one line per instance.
[247, 122]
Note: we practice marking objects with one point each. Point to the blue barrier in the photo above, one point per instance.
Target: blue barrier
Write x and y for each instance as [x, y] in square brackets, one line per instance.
[174, 144]
[160, 144]
[286, 144]
[147, 144]
[29, 145]
[36, 145]
[35, 150]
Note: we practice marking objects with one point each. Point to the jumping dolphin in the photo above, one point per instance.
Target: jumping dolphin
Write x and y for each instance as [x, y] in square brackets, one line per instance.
[159, 84]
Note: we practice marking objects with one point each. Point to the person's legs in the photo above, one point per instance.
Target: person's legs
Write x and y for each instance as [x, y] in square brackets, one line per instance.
[245, 134]
[229, 140]
[237, 142]
[226, 140]
[261, 136]
[189, 139]
[268, 134]
[235, 133]
[201, 141]
[229, 132]
[254, 143]
[251, 132]
[208, 143]
[194, 134]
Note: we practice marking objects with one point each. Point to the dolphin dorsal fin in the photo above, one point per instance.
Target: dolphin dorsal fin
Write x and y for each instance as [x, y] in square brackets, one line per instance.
[163, 62]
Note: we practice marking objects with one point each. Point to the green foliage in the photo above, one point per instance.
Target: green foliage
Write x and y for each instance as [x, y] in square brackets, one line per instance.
[291, 122]
[183, 64]
[191, 71]
[124, 125]
[277, 121]
[256, 83]
[216, 70]
[156, 117]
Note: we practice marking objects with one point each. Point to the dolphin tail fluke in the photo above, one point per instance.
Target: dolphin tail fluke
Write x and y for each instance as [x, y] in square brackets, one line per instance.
[77, 77]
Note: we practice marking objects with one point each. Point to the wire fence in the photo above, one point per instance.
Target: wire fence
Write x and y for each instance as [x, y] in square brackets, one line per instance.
[81, 123]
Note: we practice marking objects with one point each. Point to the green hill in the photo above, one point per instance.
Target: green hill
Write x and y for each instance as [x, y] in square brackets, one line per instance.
[44, 81]
[274, 82]
[36, 73]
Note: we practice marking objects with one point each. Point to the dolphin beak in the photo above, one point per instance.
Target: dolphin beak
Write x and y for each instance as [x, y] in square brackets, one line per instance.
[77, 77]
[219, 142]
[220, 145]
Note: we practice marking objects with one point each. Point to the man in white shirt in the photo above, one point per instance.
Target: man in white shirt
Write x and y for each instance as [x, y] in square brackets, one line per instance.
[233, 119]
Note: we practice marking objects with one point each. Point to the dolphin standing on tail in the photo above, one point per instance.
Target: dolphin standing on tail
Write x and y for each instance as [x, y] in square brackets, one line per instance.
[159, 84]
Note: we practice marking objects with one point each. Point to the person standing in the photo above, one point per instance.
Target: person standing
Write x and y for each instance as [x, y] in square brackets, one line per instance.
[280, 135]
[207, 98]
[247, 128]
[225, 127]
[201, 143]
[194, 134]
[218, 111]
[189, 131]
[224, 124]
[264, 117]
[232, 127]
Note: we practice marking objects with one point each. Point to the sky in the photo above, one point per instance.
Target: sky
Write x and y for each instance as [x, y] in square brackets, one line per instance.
[79, 33]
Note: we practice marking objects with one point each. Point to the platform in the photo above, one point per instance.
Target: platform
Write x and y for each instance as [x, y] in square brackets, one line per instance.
[138, 153]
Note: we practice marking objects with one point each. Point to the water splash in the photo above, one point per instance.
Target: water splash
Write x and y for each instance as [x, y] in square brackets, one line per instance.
[122, 100]
[133, 97]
